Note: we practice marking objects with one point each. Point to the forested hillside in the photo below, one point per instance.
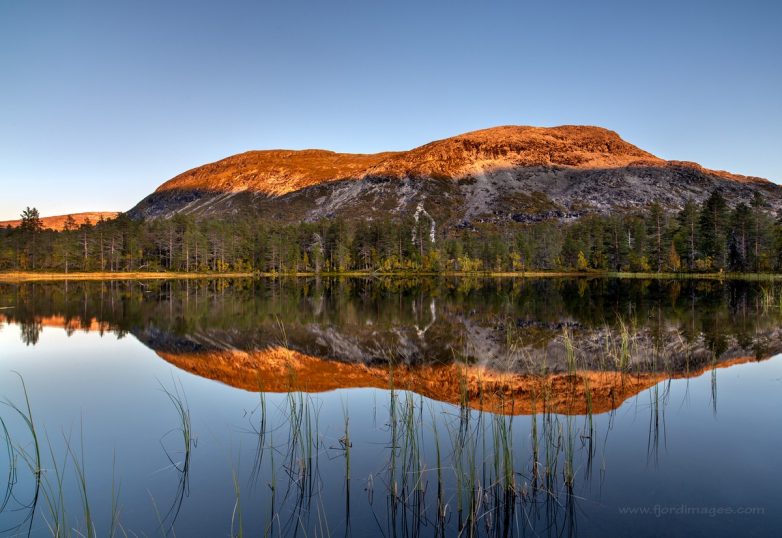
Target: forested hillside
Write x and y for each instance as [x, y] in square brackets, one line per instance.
[705, 237]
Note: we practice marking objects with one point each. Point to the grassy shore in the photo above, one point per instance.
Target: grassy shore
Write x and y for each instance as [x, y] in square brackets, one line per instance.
[29, 276]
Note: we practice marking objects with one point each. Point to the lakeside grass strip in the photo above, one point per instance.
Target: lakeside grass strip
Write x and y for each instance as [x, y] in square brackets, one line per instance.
[30, 276]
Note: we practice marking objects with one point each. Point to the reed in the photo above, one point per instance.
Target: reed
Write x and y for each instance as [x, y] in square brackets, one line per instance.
[81, 476]
[713, 384]
[624, 350]
[269, 527]
[502, 445]
[441, 506]
[653, 443]
[323, 521]
[57, 518]
[11, 457]
[114, 522]
[535, 449]
[588, 399]
[236, 517]
[413, 463]
[481, 461]
[32, 460]
[260, 435]
[346, 443]
[569, 468]
[393, 444]
[54, 496]
[178, 400]
[570, 352]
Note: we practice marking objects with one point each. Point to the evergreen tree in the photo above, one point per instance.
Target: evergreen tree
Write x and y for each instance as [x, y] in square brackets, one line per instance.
[655, 230]
[712, 228]
[746, 238]
[687, 237]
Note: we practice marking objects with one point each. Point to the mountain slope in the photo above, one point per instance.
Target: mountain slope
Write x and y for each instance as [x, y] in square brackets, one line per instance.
[502, 174]
[57, 222]
[273, 172]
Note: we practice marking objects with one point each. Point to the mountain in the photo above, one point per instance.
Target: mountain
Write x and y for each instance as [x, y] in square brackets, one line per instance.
[499, 342]
[497, 175]
[57, 222]
[279, 369]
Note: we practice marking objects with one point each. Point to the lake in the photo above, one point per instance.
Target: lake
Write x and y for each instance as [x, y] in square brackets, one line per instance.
[391, 407]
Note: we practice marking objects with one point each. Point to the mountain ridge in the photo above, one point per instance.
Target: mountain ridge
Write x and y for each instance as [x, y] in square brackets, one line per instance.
[501, 174]
[57, 222]
[582, 147]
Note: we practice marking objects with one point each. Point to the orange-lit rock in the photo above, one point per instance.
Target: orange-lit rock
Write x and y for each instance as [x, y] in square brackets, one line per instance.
[277, 172]
[278, 369]
[58, 222]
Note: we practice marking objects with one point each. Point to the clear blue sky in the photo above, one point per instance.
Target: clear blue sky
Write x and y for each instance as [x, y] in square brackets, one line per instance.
[102, 101]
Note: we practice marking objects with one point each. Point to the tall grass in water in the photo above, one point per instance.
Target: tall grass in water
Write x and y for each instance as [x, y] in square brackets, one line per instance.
[535, 475]
[552, 439]
[768, 298]
[656, 422]
[346, 442]
[31, 459]
[588, 401]
[185, 429]
[713, 383]
[569, 470]
[269, 527]
[481, 461]
[260, 435]
[502, 445]
[619, 348]
[49, 487]
[54, 496]
[411, 456]
[81, 475]
[393, 427]
[441, 506]
[302, 447]
[237, 521]
[114, 524]
[570, 352]
[11, 457]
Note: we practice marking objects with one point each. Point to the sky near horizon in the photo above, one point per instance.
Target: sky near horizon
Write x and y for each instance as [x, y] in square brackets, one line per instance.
[102, 101]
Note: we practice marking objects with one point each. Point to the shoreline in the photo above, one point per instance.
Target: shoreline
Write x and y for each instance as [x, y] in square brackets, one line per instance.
[29, 276]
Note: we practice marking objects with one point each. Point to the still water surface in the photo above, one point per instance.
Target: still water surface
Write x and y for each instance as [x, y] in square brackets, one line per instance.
[554, 407]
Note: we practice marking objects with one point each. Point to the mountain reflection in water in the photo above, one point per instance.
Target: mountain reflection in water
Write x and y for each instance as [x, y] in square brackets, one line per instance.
[513, 346]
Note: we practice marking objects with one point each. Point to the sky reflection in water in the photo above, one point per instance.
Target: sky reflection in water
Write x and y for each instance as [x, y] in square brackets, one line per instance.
[699, 444]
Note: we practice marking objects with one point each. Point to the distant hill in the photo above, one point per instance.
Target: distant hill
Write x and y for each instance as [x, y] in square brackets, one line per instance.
[502, 174]
[58, 222]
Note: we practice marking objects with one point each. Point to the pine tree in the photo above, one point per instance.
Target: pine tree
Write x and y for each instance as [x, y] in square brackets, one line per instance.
[655, 229]
[712, 227]
[688, 227]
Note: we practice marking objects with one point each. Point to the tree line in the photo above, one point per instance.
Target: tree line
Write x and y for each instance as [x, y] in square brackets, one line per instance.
[707, 237]
[253, 311]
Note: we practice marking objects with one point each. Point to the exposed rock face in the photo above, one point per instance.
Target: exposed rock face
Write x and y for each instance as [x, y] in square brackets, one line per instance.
[504, 174]
[512, 147]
